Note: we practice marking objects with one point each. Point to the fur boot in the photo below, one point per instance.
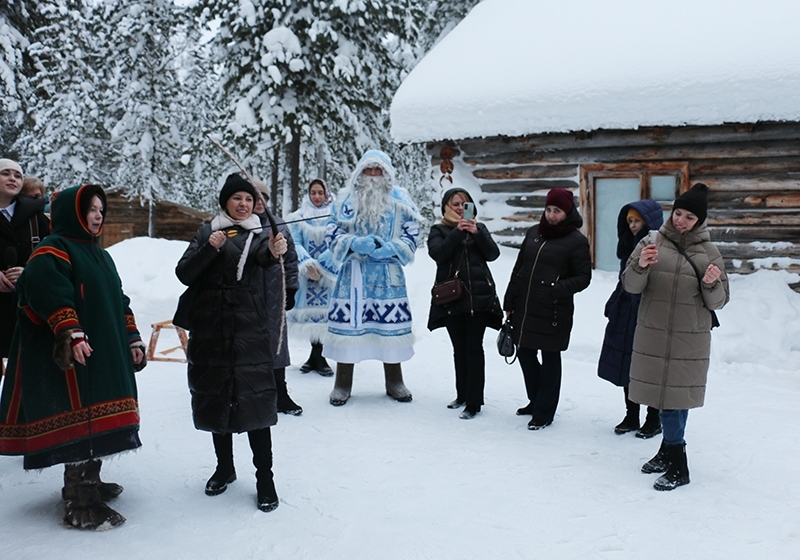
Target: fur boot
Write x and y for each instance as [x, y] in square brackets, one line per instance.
[395, 387]
[83, 507]
[343, 384]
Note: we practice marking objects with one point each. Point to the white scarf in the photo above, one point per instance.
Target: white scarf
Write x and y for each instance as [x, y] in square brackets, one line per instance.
[252, 225]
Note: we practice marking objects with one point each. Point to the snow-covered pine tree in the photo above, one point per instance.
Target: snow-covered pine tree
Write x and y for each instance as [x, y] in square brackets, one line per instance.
[63, 141]
[14, 82]
[149, 111]
[319, 70]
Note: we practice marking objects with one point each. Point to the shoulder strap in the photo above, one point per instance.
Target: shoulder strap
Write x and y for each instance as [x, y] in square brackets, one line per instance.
[714, 320]
[34, 224]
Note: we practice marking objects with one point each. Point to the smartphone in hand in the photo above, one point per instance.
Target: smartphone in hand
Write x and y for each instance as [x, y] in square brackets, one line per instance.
[469, 210]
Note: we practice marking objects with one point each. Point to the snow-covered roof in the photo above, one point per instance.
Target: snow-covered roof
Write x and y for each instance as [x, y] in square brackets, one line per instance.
[515, 67]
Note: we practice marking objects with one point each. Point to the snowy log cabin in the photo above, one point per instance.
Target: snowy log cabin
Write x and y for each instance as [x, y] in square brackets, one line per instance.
[636, 100]
[130, 218]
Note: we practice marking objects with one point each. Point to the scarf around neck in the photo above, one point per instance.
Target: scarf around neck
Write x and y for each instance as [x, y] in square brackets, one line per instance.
[252, 225]
[450, 217]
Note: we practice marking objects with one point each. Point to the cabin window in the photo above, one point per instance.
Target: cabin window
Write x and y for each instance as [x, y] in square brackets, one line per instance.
[606, 188]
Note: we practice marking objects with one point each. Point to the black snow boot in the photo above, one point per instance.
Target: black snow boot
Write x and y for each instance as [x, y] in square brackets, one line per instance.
[261, 444]
[659, 463]
[310, 362]
[631, 421]
[83, 507]
[225, 472]
[322, 366]
[285, 403]
[651, 426]
[678, 472]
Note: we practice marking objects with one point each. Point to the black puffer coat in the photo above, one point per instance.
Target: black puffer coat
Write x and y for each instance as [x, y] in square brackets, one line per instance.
[548, 272]
[18, 235]
[446, 245]
[230, 358]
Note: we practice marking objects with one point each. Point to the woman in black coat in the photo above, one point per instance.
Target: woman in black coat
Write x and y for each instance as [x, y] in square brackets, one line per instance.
[464, 246]
[230, 357]
[22, 225]
[634, 222]
[553, 264]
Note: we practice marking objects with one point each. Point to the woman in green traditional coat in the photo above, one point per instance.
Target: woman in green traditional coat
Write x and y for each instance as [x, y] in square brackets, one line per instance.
[70, 393]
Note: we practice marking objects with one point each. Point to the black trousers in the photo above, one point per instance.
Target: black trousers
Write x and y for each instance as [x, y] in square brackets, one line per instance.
[466, 335]
[542, 382]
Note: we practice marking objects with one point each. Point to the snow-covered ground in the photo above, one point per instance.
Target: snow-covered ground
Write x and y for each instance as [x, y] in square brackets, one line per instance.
[381, 479]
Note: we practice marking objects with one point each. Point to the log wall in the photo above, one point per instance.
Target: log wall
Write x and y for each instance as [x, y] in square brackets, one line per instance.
[752, 171]
[131, 218]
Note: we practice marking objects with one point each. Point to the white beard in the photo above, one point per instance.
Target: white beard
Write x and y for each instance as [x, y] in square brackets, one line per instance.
[372, 194]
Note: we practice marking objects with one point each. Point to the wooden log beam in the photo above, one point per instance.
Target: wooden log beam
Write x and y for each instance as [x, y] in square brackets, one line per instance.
[526, 186]
[750, 233]
[528, 172]
[644, 136]
[618, 154]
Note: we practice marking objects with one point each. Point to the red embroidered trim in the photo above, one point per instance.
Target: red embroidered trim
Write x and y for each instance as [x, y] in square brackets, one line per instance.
[58, 253]
[64, 318]
[68, 426]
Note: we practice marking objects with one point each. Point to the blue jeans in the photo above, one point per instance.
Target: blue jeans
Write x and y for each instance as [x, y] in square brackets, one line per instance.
[673, 422]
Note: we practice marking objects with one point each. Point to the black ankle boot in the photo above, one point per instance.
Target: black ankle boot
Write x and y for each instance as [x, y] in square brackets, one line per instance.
[261, 444]
[219, 481]
[285, 403]
[631, 421]
[309, 365]
[651, 426]
[225, 472]
[659, 463]
[678, 472]
[322, 366]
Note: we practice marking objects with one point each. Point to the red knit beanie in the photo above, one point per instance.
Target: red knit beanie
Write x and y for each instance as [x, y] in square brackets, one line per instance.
[562, 198]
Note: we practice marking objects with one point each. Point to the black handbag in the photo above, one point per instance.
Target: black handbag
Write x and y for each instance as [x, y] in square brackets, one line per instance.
[505, 343]
[185, 305]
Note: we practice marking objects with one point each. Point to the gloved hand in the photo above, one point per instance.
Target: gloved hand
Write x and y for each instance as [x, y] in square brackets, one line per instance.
[313, 272]
[143, 362]
[290, 292]
[363, 245]
[383, 253]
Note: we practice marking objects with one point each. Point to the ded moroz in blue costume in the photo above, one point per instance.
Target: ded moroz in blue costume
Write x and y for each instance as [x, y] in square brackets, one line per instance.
[372, 234]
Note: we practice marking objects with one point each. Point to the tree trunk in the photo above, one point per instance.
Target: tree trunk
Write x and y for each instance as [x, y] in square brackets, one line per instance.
[294, 170]
[276, 156]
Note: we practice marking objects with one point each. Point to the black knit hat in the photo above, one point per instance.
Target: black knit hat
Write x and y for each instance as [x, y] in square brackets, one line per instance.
[695, 200]
[235, 183]
[451, 192]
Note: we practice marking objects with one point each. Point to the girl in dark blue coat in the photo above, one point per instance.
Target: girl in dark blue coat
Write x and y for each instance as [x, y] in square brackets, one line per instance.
[635, 221]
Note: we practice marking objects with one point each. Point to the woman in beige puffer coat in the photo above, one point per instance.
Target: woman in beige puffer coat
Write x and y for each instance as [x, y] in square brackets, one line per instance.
[672, 343]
